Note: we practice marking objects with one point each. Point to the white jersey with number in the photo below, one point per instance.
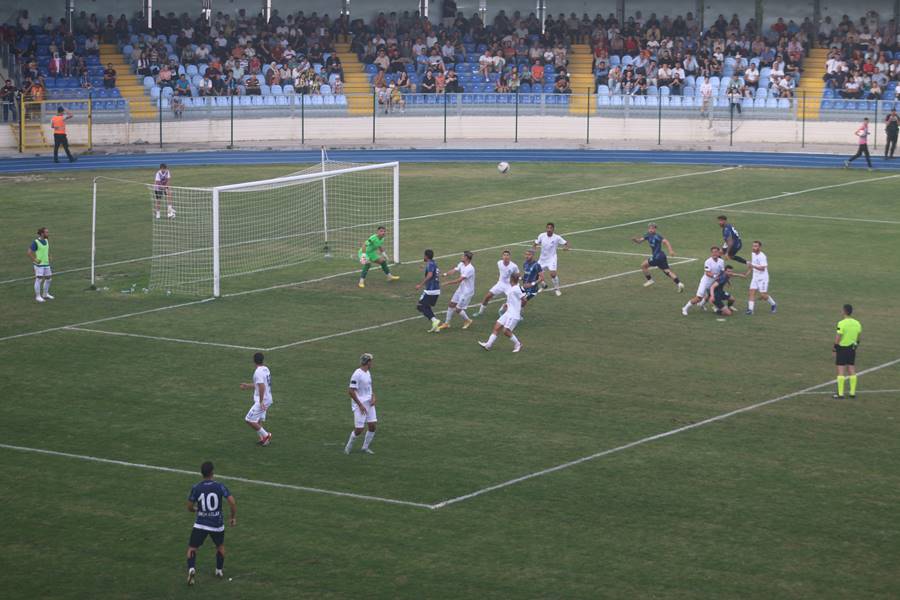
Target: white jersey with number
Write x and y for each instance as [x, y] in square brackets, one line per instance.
[361, 381]
[714, 266]
[467, 285]
[262, 375]
[549, 245]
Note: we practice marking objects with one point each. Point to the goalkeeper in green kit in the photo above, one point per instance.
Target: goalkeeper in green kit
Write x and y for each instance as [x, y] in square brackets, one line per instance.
[372, 252]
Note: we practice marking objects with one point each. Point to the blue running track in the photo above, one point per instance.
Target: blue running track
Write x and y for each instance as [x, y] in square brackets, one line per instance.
[249, 157]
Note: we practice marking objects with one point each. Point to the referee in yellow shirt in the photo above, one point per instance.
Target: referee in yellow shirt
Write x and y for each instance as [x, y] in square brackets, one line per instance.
[845, 342]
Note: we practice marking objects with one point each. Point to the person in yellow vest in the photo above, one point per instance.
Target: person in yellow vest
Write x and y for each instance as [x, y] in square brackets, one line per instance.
[59, 133]
[39, 253]
[845, 343]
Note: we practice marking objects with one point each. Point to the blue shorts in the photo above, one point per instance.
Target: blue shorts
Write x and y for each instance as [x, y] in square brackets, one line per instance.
[659, 261]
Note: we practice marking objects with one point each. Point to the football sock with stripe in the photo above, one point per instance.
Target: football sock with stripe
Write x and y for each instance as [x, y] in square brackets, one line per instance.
[840, 382]
[852, 379]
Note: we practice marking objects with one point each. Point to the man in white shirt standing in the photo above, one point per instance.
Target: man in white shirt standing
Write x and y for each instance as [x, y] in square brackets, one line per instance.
[712, 268]
[759, 283]
[463, 294]
[363, 404]
[549, 242]
[162, 188]
[509, 319]
[507, 268]
[262, 399]
[706, 93]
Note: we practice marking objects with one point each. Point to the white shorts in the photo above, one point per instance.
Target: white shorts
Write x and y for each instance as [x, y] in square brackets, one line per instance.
[548, 264]
[508, 321]
[760, 285]
[703, 288]
[42, 271]
[360, 419]
[460, 299]
[256, 413]
[499, 288]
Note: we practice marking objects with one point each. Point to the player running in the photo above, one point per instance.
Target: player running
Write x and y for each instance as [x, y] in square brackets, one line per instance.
[463, 294]
[759, 282]
[206, 500]
[732, 243]
[431, 291]
[506, 268]
[372, 251]
[657, 257]
[548, 243]
[363, 404]
[532, 277]
[720, 297]
[262, 399]
[712, 267]
[161, 187]
[509, 319]
[39, 253]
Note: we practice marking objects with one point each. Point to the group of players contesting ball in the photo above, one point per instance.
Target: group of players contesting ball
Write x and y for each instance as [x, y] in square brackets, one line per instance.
[517, 286]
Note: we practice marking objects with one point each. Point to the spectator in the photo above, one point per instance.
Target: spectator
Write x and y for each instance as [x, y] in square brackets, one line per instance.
[109, 77]
[537, 73]
[57, 66]
[177, 107]
[451, 85]
[735, 93]
[486, 65]
[205, 87]
[163, 78]
[9, 96]
[502, 85]
[253, 86]
[182, 86]
[396, 99]
[428, 85]
[405, 85]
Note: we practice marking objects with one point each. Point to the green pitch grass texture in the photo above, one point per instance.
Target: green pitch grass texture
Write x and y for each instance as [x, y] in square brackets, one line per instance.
[796, 499]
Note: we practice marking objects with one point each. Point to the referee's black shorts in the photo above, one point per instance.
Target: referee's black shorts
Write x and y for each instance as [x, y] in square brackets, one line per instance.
[845, 355]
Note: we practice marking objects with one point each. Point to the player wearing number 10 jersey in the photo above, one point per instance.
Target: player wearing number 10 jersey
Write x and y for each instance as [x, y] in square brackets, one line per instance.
[206, 500]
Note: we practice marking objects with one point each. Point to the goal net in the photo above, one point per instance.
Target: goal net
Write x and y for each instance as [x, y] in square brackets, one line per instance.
[202, 237]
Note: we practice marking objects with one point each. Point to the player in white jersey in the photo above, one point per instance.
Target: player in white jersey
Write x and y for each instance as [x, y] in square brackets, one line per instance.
[363, 404]
[759, 283]
[548, 243]
[712, 268]
[506, 268]
[463, 294]
[161, 188]
[509, 319]
[262, 399]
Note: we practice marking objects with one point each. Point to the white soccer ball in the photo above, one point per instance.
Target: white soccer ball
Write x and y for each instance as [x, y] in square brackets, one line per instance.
[503, 167]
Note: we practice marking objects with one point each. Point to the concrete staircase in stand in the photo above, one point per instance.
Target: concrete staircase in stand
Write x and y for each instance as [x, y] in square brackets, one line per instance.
[356, 83]
[581, 79]
[140, 105]
[809, 90]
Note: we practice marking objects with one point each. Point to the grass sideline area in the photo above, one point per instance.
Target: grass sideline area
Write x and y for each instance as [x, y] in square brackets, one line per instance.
[791, 499]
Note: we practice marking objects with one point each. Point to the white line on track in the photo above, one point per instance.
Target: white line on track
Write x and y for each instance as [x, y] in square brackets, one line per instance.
[431, 215]
[161, 339]
[647, 439]
[774, 214]
[407, 319]
[300, 488]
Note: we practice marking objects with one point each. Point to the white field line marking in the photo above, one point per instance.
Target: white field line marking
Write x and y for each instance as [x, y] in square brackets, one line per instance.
[862, 392]
[103, 320]
[161, 339]
[651, 438]
[413, 218]
[774, 214]
[407, 319]
[301, 488]
[646, 220]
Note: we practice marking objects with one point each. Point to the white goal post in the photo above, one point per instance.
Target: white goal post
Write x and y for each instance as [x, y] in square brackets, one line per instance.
[201, 236]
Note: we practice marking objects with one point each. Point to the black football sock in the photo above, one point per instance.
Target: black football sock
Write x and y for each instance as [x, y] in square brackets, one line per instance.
[220, 560]
[192, 559]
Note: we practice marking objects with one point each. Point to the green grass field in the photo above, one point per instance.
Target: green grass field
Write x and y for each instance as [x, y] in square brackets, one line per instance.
[793, 499]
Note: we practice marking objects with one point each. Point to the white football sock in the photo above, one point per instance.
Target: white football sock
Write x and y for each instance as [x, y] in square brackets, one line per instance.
[702, 302]
[750, 305]
[47, 286]
[771, 300]
[491, 340]
[351, 440]
[261, 432]
[463, 314]
[688, 306]
[514, 339]
[37, 287]
[556, 282]
[481, 308]
[450, 312]
[370, 435]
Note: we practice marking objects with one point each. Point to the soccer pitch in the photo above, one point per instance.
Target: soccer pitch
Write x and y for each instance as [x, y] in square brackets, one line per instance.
[626, 452]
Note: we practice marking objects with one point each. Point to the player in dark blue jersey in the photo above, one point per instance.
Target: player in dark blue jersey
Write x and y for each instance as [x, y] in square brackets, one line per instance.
[532, 277]
[431, 291]
[731, 239]
[206, 500]
[721, 298]
[657, 256]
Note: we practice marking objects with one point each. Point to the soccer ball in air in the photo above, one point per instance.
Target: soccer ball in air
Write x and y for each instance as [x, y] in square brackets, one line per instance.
[503, 167]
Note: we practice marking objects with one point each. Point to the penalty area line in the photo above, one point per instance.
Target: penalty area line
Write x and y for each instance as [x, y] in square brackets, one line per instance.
[651, 438]
[287, 486]
[161, 339]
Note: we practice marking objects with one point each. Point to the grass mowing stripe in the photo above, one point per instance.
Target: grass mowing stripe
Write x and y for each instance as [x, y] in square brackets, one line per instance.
[413, 218]
[773, 214]
[160, 338]
[300, 488]
[652, 438]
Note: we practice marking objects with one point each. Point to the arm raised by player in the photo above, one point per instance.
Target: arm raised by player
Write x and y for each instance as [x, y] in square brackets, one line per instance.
[355, 398]
[668, 247]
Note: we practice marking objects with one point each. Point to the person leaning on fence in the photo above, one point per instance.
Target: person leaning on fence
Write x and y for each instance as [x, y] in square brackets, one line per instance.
[862, 132]
[891, 128]
[58, 123]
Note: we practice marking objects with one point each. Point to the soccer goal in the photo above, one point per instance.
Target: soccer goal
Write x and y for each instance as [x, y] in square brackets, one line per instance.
[201, 237]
